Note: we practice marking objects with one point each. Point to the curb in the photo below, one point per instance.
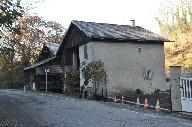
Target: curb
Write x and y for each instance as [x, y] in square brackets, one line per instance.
[135, 103]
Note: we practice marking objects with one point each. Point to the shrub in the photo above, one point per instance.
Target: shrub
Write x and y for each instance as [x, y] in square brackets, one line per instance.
[95, 72]
[70, 80]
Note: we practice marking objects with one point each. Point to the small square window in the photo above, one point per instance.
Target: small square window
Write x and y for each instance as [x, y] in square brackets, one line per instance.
[148, 74]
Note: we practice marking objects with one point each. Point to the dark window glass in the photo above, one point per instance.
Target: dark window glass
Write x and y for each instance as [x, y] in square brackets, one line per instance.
[139, 49]
[68, 57]
[85, 52]
[185, 82]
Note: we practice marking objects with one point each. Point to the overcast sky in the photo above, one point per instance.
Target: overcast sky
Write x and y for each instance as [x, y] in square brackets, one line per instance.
[106, 11]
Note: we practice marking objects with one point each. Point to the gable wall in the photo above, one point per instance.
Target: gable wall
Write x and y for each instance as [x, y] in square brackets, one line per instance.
[126, 66]
[45, 54]
[73, 39]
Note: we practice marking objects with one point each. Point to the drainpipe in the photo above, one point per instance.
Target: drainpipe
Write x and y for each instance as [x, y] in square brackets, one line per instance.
[46, 71]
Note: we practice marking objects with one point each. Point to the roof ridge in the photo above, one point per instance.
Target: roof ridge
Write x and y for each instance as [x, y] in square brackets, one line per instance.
[73, 21]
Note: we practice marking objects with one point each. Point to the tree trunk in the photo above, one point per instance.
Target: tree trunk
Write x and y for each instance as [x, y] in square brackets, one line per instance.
[95, 85]
[102, 91]
[105, 85]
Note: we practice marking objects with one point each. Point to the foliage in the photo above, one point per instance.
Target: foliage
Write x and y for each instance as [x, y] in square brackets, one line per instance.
[94, 71]
[15, 84]
[175, 23]
[9, 12]
[20, 48]
[21, 37]
[71, 79]
[32, 33]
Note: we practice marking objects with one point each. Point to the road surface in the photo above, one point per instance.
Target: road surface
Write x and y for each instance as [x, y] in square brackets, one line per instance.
[35, 109]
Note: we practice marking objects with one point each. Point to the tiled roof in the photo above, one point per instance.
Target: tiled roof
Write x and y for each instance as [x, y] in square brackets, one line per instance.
[117, 32]
[53, 47]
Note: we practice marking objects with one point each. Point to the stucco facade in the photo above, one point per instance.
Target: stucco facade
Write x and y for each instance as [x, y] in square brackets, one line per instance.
[89, 50]
[129, 66]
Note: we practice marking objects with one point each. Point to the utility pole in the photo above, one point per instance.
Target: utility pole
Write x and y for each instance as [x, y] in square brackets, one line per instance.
[46, 71]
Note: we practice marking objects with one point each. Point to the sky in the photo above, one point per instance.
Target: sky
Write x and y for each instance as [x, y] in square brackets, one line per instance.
[103, 11]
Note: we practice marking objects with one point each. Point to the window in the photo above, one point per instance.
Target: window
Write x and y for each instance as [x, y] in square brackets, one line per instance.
[139, 49]
[85, 52]
[148, 75]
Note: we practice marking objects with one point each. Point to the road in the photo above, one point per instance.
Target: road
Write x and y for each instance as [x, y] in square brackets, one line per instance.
[34, 109]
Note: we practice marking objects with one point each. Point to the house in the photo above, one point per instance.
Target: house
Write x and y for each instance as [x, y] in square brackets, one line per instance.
[35, 74]
[133, 56]
[49, 50]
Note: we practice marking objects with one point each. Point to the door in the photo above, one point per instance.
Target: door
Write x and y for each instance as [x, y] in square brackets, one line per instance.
[186, 94]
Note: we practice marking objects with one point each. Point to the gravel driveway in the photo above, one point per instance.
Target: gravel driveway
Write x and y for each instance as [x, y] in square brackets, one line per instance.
[34, 109]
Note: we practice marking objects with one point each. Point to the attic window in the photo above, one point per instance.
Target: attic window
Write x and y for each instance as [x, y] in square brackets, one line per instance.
[85, 52]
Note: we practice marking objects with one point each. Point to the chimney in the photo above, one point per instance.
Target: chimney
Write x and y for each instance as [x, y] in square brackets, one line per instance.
[133, 22]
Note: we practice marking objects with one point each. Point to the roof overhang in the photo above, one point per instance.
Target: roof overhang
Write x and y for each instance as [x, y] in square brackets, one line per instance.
[39, 63]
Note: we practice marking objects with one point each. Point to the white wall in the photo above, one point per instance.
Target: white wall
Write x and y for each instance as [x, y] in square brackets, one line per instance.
[81, 57]
[126, 66]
